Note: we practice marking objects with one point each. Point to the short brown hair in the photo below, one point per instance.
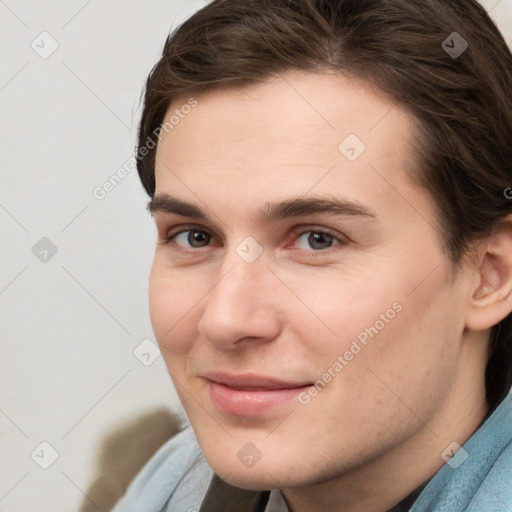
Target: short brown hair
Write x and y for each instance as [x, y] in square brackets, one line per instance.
[462, 103]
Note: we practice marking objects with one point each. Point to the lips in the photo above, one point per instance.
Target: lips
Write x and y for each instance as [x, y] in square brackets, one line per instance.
[251, 395]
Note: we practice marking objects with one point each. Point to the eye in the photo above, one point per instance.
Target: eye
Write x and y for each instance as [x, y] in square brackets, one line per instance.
[316, 240]
[191, 238]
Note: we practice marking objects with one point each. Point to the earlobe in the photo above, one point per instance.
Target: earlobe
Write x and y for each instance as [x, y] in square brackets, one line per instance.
[491, 301]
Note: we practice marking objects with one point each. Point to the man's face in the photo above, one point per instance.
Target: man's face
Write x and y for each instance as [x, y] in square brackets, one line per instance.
[302, 303]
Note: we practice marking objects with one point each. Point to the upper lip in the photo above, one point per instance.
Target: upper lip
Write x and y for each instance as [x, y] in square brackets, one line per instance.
[252, 381]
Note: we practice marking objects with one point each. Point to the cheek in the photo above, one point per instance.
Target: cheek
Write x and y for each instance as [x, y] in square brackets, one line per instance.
[401, 373]
[174, 305]
[330, 311]
[392, 328]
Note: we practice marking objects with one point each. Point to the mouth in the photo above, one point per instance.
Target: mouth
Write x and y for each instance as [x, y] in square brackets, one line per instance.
[251, 395]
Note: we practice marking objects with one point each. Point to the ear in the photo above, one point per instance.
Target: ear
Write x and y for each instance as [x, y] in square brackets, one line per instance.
[491, 299]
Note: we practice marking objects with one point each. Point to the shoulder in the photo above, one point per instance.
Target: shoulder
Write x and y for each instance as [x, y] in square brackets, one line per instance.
[177, 476]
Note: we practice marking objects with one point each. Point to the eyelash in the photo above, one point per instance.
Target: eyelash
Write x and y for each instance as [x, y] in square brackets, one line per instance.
[296, 233]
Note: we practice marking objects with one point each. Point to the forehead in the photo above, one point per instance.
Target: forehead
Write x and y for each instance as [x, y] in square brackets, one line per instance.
[294, 133]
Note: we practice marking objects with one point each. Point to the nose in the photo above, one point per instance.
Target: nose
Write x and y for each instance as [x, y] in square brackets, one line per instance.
[242, 306]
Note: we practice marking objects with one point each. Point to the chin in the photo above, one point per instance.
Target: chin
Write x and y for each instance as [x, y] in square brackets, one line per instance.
[264, 474]
[252, 481]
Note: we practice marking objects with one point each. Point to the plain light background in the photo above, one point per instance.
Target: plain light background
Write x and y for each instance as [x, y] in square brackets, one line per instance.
[74, 269]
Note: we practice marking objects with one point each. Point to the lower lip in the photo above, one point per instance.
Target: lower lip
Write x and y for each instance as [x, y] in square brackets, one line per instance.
[250, 403]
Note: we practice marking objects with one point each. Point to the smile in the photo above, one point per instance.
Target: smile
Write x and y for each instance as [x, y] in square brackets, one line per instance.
[250, 395]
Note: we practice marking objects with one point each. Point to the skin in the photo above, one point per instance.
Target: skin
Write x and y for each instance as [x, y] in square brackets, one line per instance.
[377, 430]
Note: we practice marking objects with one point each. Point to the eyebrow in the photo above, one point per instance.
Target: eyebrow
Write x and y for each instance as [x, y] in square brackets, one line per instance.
[297, 207]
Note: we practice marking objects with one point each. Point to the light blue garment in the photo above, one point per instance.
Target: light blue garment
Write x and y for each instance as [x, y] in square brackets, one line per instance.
[483, 482]
[177, 477]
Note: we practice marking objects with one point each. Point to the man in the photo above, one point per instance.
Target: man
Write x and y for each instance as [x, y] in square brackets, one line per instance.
[332, 282]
